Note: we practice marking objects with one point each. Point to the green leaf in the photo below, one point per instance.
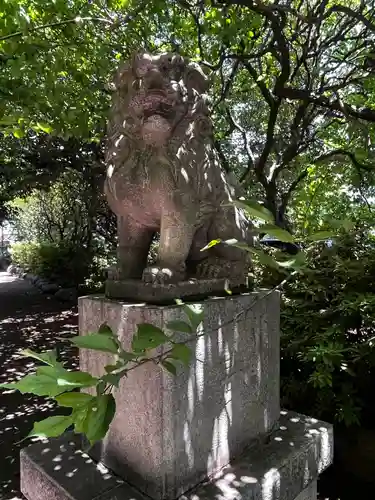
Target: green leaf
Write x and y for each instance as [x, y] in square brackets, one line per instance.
[100, 415]
[181, 352]
[51, 426]
[321, 235]
[104, 329]
[49, 357]
[79, 417]
[18, 133]
[114, 378]
[265, 258]
[277, 232]
[255, 209]
[211, 244]
[44, 127]
[40, 385]
[74, 399]
[180, 326]
[97, 342]
[297, 262]
[76, 379]
[170, 367]
[195, 313]
[148, 337]
[128, 356]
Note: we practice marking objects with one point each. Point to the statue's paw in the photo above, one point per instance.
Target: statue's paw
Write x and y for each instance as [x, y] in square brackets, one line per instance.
[208, 270]
[159, 275]
[214, 269]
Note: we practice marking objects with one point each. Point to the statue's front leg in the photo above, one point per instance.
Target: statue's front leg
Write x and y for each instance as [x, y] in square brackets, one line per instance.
[134, 243]
[176, 236]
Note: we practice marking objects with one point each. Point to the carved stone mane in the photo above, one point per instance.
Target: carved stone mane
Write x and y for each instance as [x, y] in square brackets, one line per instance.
[164, 175]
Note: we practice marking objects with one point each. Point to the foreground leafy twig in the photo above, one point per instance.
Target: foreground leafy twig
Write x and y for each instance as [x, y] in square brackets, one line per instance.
[92, 412]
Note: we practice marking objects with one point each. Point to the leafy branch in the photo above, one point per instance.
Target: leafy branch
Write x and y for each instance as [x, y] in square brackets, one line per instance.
[92, 412]
[114, 22]
[75, 20]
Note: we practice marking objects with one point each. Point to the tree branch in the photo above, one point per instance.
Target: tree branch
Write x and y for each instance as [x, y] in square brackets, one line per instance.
[226, 88]
[113, 22]
[337, 154]
[223, 158]
[55, 25]
[261, 85]
[242, 131]
[286, 196]
[366, 114]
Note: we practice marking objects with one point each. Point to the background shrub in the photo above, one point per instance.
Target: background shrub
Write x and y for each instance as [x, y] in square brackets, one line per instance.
[61, 263]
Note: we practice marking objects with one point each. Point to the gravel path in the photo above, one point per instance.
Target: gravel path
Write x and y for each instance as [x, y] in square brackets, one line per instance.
[28, 319]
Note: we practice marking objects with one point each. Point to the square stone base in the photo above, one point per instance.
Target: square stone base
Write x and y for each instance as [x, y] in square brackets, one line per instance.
[170, 432]
[168, 293]
[285, 467]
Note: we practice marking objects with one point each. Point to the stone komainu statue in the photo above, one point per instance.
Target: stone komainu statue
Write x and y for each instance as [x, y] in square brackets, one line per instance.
[164, 176]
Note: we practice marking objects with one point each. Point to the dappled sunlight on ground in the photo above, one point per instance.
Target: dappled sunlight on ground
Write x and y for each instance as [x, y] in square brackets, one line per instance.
[28, 319]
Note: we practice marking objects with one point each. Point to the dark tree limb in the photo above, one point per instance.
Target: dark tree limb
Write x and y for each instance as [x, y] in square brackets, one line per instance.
[266, 93]
[285, 198]
[366, 114]
[223, 158]
[338, 154]
[228, 84]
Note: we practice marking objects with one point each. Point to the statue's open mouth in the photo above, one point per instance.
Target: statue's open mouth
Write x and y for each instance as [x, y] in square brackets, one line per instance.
[156, 103]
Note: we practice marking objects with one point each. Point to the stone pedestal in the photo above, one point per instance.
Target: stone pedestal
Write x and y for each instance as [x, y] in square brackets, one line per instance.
[171, 432]
[218, 419]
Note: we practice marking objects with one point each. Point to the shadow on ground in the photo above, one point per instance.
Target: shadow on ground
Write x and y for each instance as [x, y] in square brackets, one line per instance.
[28, 319]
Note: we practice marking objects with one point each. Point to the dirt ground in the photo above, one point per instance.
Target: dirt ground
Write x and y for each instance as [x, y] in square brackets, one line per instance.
[28, 319]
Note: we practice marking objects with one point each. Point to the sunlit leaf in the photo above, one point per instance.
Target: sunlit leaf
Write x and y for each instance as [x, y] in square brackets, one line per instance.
[49, 357]
[321, 235]
[44, 127]
[97, 342]
[76, 379]
[51, 426]
[148, 337]
[276, 232]
[40, 385]
[74, 399]
[211, 244]
[255, 209]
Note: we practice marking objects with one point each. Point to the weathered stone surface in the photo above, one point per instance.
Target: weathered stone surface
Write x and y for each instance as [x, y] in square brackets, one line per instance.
[59, 470]
[164, 175]
[156, 294]
[66, 294]
[309, 493]
[169, 432]
[285, 468]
